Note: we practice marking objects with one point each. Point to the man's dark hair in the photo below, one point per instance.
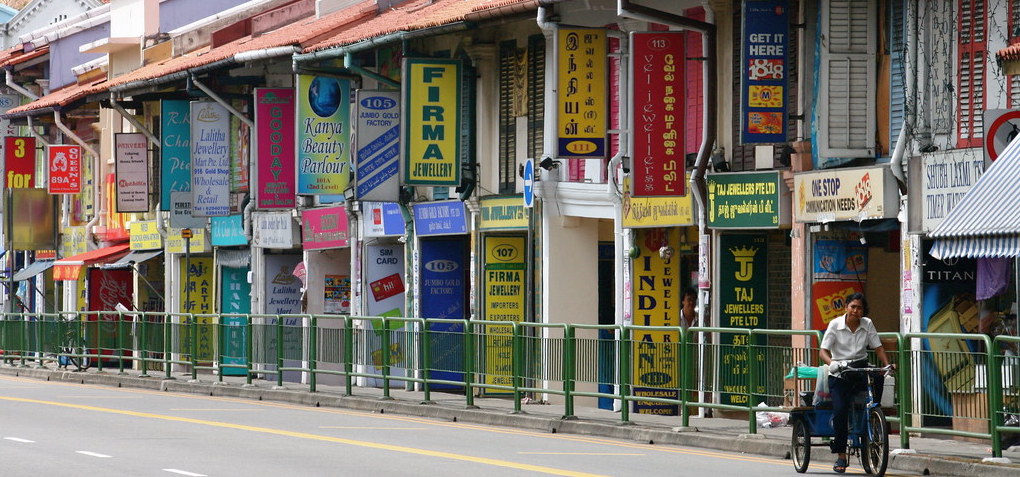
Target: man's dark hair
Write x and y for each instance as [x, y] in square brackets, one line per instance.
[689, 291]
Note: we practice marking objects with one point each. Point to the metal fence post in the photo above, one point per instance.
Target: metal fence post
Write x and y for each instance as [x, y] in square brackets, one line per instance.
[313, 352]
[569, 371]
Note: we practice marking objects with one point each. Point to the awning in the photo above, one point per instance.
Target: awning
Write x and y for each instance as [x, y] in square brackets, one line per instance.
[68, 268]
[986, 222]
[32, 270]
[136, 256]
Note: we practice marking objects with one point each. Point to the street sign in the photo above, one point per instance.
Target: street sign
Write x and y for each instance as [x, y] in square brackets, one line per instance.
[1004, 127]
[529, 182]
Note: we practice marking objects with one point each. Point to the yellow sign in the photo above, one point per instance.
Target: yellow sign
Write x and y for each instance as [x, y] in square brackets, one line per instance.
[432, 116]
[175, 241]
[145, 235]
[504, 284]
[196, 292]
[582, 92]
[657, 294]
[641, 212]
[73, 242]
[503, 213]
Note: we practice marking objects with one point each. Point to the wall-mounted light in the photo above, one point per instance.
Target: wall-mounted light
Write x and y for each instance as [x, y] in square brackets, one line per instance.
[719, 163]
[548, 164]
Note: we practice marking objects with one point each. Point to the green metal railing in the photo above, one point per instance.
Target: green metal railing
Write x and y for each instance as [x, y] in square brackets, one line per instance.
[947, 383]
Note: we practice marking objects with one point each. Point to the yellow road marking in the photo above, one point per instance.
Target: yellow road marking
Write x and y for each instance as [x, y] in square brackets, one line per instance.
[377, 428]
[211, 409]
[304, 435]
[578, 453]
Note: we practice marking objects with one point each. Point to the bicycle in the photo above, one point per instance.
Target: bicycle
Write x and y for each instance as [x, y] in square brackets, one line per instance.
[868, 431]
[72, 351]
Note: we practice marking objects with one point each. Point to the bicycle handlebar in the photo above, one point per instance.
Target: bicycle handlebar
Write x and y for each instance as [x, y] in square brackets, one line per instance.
[885, 369]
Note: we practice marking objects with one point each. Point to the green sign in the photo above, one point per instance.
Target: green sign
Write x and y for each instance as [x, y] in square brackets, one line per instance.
[744, 200]
[743, 298]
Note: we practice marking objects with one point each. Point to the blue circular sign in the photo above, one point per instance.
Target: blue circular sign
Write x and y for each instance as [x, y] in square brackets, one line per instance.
[529, 183]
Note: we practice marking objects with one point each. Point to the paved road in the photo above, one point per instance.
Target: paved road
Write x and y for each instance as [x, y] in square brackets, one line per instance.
[50, 428]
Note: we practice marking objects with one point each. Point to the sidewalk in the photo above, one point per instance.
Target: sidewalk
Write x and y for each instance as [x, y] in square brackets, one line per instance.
[934, 456]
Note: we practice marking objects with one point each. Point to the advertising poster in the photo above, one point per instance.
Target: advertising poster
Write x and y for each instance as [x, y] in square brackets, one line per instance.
[19, 162]
[107, 288]
[384, 277]
[274, 122]
[175, 149]
[743, 298]
[65, 169]
[444, 294]
[382, 219]
[132, 169]
[656, 302]
[210, 159]
[196, 294]
[840, 260]
[658, 89]
[34, 219]
[828, 300]
[432, 91]
[765, 43]
[338, 294]
[845, 194]
[583, 107]
[235, 301]
[377, 162]
[949, 305]
[324, 114]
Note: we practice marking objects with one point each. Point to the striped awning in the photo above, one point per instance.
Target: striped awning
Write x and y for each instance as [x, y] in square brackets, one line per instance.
[986, 222]
[68, 268]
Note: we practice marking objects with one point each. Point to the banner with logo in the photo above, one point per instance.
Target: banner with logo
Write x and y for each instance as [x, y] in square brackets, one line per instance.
[845, 194]
[131, 155]
[175, 149]
[658, 88]
[324, 155]
[583, 107]
[275, 127]
[431, 136]
[765, 38]
[743, 298]
[65, 169]
[210, 159]
[378, 155]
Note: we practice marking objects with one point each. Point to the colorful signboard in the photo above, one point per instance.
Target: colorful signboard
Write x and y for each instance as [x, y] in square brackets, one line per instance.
[840, 260]
[235, 301]
[337, 294]
[946, 179]
[502, 213]
[504, 283]
[324, 228]
[743, 298]
[382, 219]
[828, 300]
[658, 91]
[145, 235]
[272, 230]
[324, 156]
[65, 169]
[275, 127]
[644, 212]
[763, 56]
[227, 231]
[656, 302]
[131, 155]
[196, 295]
[377, 160]
[448, 217]
[845, 194]
[747, 200]
[175, 149]
[384, 275]
[19, 162]
[176, 243]
[432, 121]
[210, 159]
[583, 111]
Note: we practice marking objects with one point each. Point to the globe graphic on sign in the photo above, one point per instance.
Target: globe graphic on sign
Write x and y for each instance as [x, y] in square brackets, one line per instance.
[324, 96]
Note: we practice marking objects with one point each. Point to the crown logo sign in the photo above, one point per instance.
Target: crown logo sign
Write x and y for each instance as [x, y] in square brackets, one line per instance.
[744, 252]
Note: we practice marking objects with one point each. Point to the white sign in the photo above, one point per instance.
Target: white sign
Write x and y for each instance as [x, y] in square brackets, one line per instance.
[273, 230]
[377, 157]
[210, 159]
[180, 212]
[946, 178]
[132, 172]
[845, 194]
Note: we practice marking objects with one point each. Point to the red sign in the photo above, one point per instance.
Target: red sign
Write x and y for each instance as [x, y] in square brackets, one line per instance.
[658, 92]
[65, 169]
[19, 157]
[830, 301]
[386, 287]
[275, 132]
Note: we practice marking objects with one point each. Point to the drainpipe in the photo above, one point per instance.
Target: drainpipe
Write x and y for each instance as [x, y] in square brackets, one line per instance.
[98, 206]
[17, 87]
[549, 140]
[910, 100]
[349, 64]
[226, 105]
[134, 122]
[40, 137]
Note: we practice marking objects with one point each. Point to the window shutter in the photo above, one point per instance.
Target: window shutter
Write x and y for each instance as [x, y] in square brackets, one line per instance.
[694, 101]
[507, 122]
[971, 44]
[536, 95]
[846, 107]
[1013, 84]
[897, 71]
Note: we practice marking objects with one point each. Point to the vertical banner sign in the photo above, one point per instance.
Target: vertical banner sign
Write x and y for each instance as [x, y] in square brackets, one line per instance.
[377, 160]
[656, 303]
[19, 161]
[658, 115]
[443, 292]
[274, 124]
[384, 275]
[582, 92]
[210, 159]
[240, 152]
[196, 292]
[324, 114]
[283, 297]
[235, 302]
[107, 288]
[432, 91]
[174, 150]
[503, 282]
[65, 169]
[763, 108]
[743, 285]
[132, 171]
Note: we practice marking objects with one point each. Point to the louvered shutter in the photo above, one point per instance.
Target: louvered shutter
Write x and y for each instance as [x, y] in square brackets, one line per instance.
[897, 71]
[536, 95]
[507, 122]
[846, 109]
[1014, 37]
[971, 47]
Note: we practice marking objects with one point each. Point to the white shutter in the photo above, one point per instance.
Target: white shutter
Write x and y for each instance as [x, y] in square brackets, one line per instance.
[847, 83]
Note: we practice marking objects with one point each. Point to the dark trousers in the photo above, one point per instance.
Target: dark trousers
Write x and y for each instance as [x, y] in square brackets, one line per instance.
[844, 391]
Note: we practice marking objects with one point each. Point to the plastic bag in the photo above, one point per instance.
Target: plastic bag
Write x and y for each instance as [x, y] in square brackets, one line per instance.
[822, 386]
[768, 419]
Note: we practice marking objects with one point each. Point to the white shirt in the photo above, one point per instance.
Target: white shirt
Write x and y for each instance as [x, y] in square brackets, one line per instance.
[846, 345]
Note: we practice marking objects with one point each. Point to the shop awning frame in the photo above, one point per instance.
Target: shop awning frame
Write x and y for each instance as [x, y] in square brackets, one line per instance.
[136, 256]
[32, 270]
[67, 269]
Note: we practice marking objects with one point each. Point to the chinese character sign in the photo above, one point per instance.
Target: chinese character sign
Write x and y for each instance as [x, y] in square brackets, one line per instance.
[657, 132]
[432, 91]
[65, 169]
[766, 24]
[582, 92]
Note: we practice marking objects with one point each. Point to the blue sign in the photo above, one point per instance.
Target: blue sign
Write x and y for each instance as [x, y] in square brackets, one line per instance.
[175, 149]
[529, 183]
[227, 231]
[764, 88]
[235, 303]
[443, 294]
[440, 218]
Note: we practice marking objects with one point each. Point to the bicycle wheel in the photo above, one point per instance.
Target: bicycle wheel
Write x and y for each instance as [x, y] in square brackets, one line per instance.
[875, 454]
[800, 446]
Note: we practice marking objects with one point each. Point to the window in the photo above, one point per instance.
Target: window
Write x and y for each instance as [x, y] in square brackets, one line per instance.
[846, 104]
[521, 106]
[970, 72]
